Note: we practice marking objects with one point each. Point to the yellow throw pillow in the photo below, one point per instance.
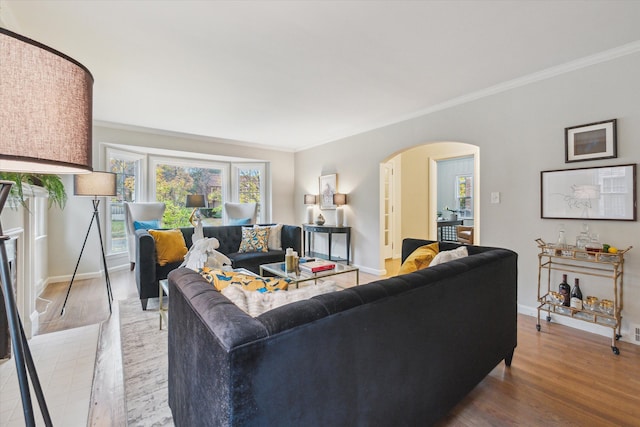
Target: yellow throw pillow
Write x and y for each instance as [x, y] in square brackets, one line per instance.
[254, 240]
[221, 279]
[170, 245]
[420, 258]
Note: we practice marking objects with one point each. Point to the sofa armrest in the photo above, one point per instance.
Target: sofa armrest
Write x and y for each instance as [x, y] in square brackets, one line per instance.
[146, 264]
[291, 237]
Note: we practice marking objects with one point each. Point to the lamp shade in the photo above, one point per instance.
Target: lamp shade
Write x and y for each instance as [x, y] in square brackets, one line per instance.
[95, 184]
[45, 109]
[339, 199]
[195, 201]
[310, 199]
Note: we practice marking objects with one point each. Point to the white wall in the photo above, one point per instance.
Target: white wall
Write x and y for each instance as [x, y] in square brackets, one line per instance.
[68, 227]
[519, 132]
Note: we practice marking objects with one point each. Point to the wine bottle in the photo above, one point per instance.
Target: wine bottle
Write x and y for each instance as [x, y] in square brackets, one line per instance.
[565, 290]
[576, 296]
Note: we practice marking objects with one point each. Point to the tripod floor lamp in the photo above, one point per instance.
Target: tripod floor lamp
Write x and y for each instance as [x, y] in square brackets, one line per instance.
[45, 128]
[95, 184]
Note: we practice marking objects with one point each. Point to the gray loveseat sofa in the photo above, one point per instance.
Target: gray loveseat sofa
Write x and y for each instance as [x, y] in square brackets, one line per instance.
[149, 272]
[398, 351]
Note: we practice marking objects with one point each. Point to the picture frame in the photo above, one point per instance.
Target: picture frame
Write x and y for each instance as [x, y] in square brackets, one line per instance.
[592, 141]
[328, 186]
[596, 193]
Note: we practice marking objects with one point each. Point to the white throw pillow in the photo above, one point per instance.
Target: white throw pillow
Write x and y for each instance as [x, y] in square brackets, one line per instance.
[256, 303]
[446, 256]
[275, 236]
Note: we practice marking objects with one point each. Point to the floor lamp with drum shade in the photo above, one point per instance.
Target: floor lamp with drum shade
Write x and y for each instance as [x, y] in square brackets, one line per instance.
[95, 184]
[45, 128]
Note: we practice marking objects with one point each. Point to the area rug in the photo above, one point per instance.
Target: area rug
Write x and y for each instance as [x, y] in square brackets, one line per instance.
[144, 359]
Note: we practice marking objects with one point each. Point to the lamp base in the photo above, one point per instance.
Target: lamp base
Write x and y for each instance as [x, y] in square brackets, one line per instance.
[310, 214]
[339, 216]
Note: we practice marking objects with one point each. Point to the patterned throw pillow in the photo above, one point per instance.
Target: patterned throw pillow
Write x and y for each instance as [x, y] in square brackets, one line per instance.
[275, 236]
[221, 279]
[254, 240]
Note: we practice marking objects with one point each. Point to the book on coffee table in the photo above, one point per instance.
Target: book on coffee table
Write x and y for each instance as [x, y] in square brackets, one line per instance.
[316, 266]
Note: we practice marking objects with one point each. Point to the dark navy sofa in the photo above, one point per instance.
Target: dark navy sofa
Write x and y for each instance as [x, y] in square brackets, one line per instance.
[400, 351]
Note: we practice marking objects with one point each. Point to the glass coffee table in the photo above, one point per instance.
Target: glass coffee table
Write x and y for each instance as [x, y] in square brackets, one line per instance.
[278, 269]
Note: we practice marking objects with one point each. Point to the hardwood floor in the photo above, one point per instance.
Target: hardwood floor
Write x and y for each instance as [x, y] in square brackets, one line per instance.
[559, 376]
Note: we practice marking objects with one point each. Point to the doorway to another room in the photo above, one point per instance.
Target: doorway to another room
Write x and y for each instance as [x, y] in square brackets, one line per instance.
[416, 187]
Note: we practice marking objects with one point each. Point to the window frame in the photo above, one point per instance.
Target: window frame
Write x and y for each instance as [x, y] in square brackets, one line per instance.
[149, 157]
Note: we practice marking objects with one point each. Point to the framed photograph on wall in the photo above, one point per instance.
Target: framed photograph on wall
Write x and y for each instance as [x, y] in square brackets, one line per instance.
[606, 192]
[590, 142]
[328, 187]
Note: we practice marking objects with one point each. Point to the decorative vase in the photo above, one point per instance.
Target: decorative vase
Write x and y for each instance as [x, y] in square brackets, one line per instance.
[320, 220]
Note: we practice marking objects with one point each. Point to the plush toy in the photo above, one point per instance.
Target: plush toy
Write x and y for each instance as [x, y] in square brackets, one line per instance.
[203, 254]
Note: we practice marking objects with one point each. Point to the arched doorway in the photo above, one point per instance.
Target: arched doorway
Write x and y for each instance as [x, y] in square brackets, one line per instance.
[409, 200]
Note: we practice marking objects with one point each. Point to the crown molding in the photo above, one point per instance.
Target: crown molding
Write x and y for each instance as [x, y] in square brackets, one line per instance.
[587, 61]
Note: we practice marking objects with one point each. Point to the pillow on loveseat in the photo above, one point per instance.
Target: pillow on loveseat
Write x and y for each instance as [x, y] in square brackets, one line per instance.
[420, 258]
[170, 245]
[446, 256]
[254, 240]
[275, 236]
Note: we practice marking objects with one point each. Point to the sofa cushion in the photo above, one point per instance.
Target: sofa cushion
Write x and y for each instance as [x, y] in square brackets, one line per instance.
[254, 240]
[275, 236]
[146, 225]
[256, 303]
[446, 256]
[170, 245]
[221, 279]
[239, 221]
[419, 258]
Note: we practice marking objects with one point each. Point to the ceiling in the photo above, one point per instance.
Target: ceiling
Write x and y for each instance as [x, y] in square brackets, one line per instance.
[294, 74]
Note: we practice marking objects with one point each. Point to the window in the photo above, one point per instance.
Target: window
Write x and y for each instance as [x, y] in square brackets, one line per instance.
[127, 167]
[464, 196]
[170, 178]
[248, 186]
[175, 179]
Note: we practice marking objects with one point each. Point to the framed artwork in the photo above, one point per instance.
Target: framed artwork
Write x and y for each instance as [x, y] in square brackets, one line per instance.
[606, 192]
[590, 142]
[328, 187]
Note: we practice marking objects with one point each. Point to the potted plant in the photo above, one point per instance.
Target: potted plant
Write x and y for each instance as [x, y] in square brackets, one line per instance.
[51, 183]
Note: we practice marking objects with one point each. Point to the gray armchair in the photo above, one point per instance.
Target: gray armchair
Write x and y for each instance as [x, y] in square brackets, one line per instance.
[150, 211]
[237, 213]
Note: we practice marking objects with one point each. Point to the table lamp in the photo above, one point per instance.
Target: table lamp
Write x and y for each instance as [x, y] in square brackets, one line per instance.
[339, 199]
[95, 184]
[196, 201]
[310, 200]
[45, 127]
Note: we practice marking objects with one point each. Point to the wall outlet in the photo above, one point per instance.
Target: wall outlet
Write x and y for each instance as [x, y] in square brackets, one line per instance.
[495, 197]
[635, 333]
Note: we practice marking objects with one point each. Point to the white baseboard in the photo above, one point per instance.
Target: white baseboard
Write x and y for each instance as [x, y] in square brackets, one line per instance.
[85, 276]
[373, 271]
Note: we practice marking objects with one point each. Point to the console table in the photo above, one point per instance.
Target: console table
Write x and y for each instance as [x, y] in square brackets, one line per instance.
[307, 235]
